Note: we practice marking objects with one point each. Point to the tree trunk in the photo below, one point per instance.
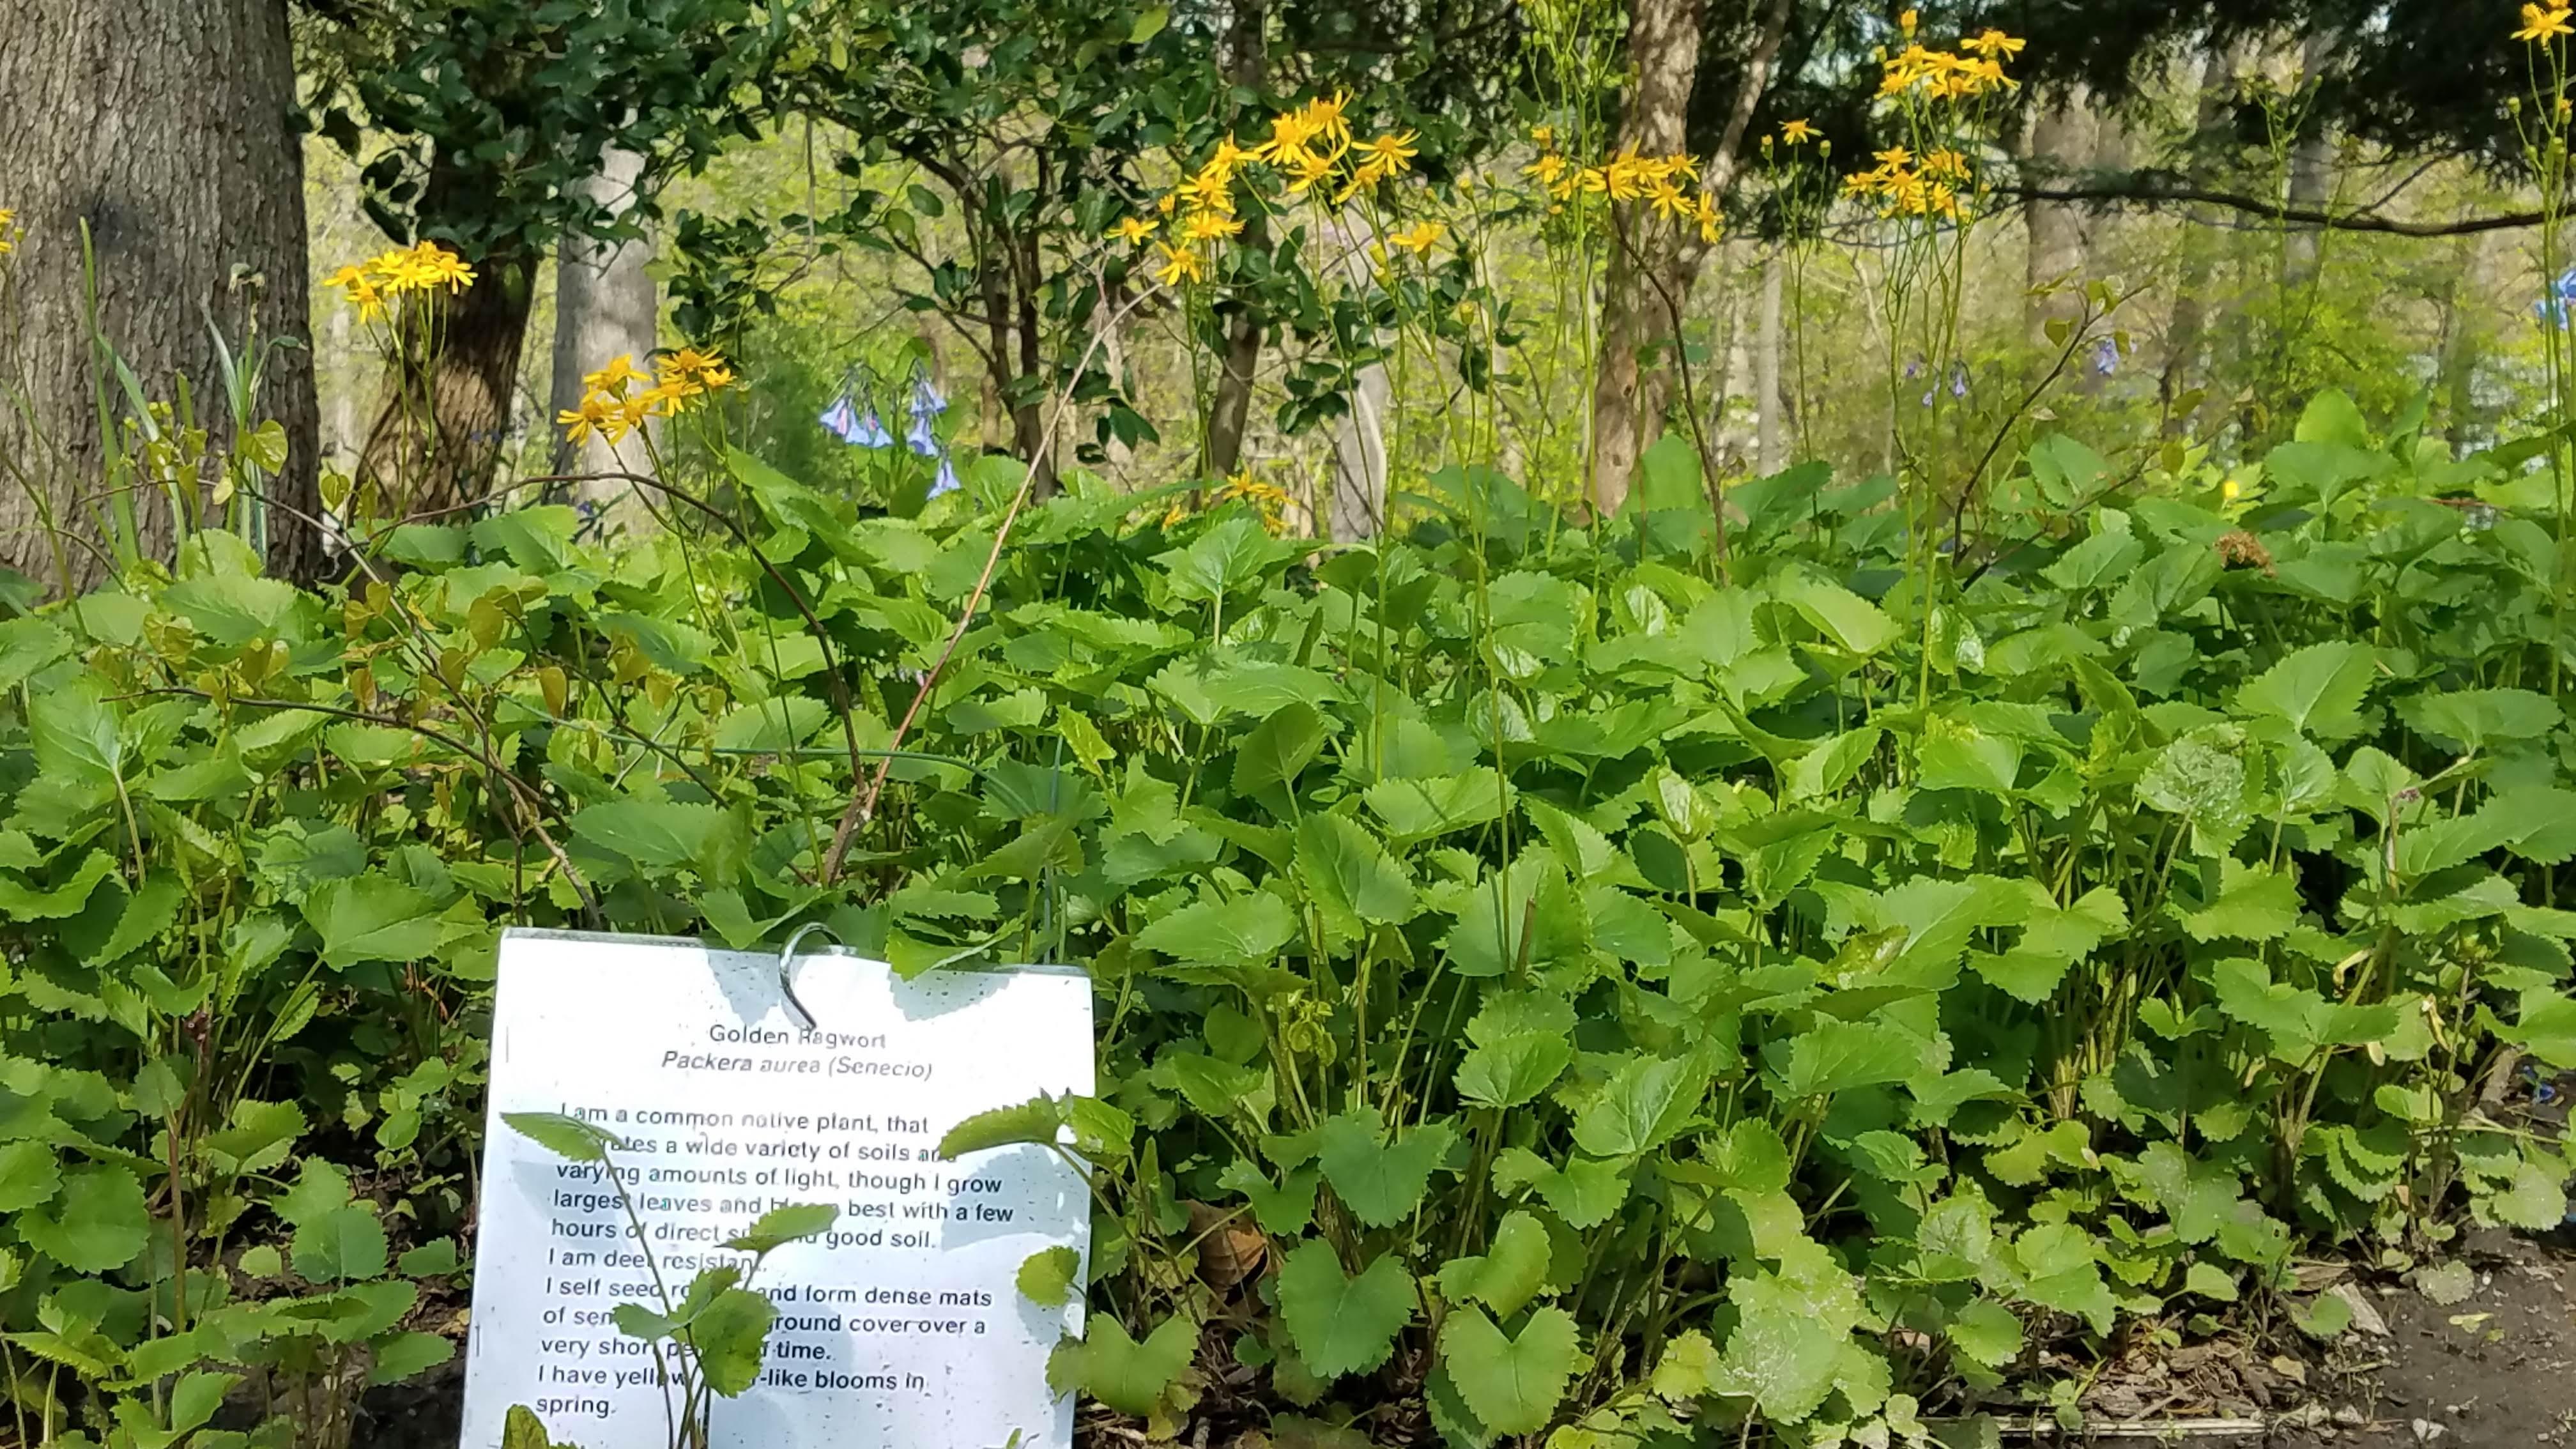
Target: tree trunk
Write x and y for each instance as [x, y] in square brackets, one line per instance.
[1357, 508]
[606, 306]
[2311, 180]
[1247, 65]
[2061, 141]
[1663, 53]
[168, 131]
[1769, 454]
[1653, 269]
[2184, 334]
[445, 406]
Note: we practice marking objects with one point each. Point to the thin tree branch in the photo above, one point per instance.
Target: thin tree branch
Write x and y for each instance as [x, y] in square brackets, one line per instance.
[2145, 190]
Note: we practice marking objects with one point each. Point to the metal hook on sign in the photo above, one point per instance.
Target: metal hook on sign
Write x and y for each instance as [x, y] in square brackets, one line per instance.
[787, 969]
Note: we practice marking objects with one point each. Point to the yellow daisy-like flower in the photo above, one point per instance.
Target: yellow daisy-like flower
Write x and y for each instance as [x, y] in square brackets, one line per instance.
[1893, 157]
[1326, 120]
[1796, 133]
[613, 378]
[8, 231]
[1546, 169]
[1908, 20]
[1418, 238]
[706, 369]
[1391, 151]
[599, 413]
[1704, 211]
[1133, 230]
[1305, 169]
[1210, 226]
[1994, 45]
[1180, 264]
[2542, 23]
[664, 400]
[436, 266]
[1668, 199]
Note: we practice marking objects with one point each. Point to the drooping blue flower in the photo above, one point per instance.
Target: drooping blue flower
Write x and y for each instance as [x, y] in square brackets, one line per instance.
[946, 481]
[1913, 369]
[1958, 379]
[920, 438]
[927, 401]
[2106, 357]
[856, 423]
[2559, 302]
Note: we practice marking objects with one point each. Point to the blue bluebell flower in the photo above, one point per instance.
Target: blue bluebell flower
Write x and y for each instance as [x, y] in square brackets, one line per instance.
[1958, 379]
[2556, 306]
[927, 402]
[2106, 357]
[946, 481]
[856, 423]
[920, 438]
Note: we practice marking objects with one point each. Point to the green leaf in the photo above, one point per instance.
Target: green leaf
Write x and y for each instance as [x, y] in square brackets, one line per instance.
[567, 1137]
[1350, 873]
[1646, 1103]
[730, 1334]
[1511, 1071]
[1837, 1056]
[1245, 931]
[342, 1245]
[372, 918]
[1382, 1182]
[663, 833]
[408, 1356]
[29, 1175]
[1986, 1332]
[1038, 1120]
[522, 1429]
[2255, 903]
[433, 1259]
[320, 1189]
[784, 1224]
[1513, 1384]
[95, 1223]
[2317, 690]
[1585, 1192]
[1511, 1272]
[1843, 616]
[1342, 1325]
[1046, 1276]
[1117, 1370]
[2545, 1027]
[1278, 748]
[18, 902]
[75, 733]
[2472, 719]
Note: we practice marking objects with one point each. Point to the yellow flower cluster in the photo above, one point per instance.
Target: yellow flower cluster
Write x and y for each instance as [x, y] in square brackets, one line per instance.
[1307, 148]
[422, 267]
[612, 406]
[1913, 186]
[2541, 23]
[1656, 180]
[1269, 498]
[1974, 69]
[8, 231]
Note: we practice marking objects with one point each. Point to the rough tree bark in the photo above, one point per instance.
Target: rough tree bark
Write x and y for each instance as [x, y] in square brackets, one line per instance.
[606, 305]
[1358, 506]
[166, 129]
[1653, 268]
[1230, 409]
[445, 406]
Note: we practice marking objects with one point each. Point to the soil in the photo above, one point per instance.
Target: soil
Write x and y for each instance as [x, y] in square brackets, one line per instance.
[2496, 1369]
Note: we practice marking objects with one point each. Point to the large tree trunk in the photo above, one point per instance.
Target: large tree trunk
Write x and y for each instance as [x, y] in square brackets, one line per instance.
[1247, 64]
[2061, 142]
[167, 131]
[2310, 184]
[446, 405]
[1653, 268]
[2185, 333]
[1771, 452]
[1357, 508]
[1636, 306]
[606, 306]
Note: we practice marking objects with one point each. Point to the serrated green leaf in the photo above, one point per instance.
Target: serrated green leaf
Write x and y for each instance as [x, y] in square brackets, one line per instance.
[1114, 1368]
[1046, 1276]
[1381, 1179]
[1508, 1274]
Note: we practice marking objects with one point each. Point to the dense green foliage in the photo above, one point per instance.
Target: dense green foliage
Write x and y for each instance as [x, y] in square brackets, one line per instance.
[1578, 979]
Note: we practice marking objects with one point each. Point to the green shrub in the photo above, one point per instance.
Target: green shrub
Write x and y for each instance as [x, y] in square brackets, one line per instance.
[1549, 975]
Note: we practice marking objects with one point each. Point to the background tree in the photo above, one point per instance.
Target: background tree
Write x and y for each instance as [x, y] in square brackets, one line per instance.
[499, 115]
[168, 133]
